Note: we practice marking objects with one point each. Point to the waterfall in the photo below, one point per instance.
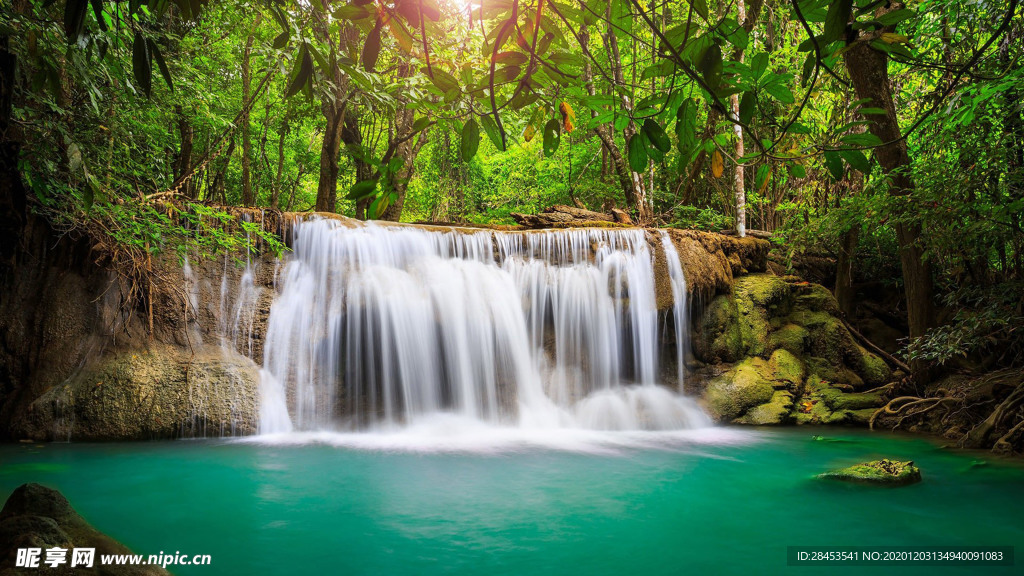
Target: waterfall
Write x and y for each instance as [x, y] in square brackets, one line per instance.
[680, 316]
[376, 326]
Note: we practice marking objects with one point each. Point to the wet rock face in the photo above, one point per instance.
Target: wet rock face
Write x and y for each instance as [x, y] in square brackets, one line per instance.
[156, 393]
[786, 356]
[883, 472]
[39, 517]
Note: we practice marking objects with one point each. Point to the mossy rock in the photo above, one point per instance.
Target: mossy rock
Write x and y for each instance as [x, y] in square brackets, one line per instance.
[817, 297]
[159, 393]
[839, 400]
[734, 393]
[860, 417]
[777, 411]
[883, 472]
[831, 372]
[871, 368]
[786, 367]
[759, 297]
[720, 339]
[789, 337]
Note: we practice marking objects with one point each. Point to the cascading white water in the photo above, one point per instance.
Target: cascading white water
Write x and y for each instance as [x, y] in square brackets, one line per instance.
[680, 316]
[377, 326]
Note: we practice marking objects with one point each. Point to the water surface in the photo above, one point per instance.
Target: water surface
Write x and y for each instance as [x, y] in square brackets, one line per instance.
[424, 502]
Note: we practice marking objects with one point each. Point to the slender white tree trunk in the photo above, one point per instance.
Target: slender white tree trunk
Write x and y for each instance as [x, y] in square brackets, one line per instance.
[738, 185]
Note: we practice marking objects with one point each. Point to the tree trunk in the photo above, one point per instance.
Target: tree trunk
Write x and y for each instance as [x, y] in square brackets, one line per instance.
[869, 73]
[183, 166]
[247, 194]
[631, 182]
[844, 271]
[333, 109]
[275, 193]
[738, 184]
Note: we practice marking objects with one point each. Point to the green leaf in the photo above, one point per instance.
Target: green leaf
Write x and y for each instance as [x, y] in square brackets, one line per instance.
[895, 17]
[97, 9]
[867, 111]
[636, 152]
[552, 136]
[74, 19]
[700, 7]
[836, 19]
[656, 136]
[808, 69]
[303, 72]
[470, 140]
[361, 190]
[711, 66]
[512, 58]
[781, 93]
[686, 124]
[758, 64]
[491, 128]
[371, 50]
[142, 67]
[797, 170]
[862, 139]
[164, 71]
[857, 160]
[763, 171]
[834, 163]
[281, 40]
[420, 123]
[747, 105]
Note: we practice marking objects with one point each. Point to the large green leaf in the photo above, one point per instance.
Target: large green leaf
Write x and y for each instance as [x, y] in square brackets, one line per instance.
[686, 124]
[552, 136]
[371, 49]
[493, 132]
[747, 105]
[74, 19]
[302, 73]
[857, 160]
[834, 163]
[700, 7]
[164, 71]
[711, 67]
[636, 152]
[656, 135]
[470, 140]
[142, 67]
[361, 190]
[836, 19]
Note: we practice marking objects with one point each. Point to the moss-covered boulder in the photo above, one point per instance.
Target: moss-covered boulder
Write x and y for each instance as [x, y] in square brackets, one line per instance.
[883, 472]
[744, 387]
[756, 391]
[776, 411]
[786, 367]
[157, 393]
[738, 324]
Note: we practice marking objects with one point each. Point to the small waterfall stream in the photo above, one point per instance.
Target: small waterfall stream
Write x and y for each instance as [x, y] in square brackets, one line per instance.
[377, 326]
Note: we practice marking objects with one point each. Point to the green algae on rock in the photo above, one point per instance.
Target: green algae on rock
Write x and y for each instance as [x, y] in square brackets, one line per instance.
[882, 472]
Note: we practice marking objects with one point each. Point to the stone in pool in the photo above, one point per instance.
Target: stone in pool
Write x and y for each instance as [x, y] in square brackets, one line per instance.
[883, 472]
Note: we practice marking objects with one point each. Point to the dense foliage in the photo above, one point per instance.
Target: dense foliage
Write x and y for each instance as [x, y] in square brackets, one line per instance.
[885, 134]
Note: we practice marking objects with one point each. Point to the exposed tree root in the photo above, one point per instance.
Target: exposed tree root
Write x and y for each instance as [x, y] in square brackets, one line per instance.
[907, 406]
[980, 434]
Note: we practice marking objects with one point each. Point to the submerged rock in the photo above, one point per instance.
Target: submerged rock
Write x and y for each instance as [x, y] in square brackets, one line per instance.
[39, 517]
[883, 472]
